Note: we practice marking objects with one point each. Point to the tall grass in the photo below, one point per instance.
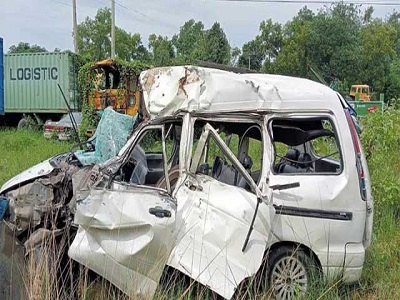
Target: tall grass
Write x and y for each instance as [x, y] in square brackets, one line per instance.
[381, 274]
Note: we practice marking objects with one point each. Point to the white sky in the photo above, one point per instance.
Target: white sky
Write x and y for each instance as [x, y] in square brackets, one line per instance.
[48, 23]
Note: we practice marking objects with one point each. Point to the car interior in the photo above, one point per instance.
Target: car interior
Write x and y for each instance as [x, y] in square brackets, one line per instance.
[305, 146]
[145, 164]
[244, 140]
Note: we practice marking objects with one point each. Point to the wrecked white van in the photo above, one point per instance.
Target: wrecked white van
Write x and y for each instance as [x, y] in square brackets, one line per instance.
[230, 176]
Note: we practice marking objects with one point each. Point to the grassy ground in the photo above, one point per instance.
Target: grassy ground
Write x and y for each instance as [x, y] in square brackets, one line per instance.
[381, 139]
[20, 150]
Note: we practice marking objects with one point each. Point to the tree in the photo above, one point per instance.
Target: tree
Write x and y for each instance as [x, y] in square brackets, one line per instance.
[94, 39]
[264, 49]
[368, 14]
[161, 49]
[26, 48]
[252, 55]
[293, 59]
[333, 42]
[189, 42]
[378, 55]
[271, 39]
[217, 47]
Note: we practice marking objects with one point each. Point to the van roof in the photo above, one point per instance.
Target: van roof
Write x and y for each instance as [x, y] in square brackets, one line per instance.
[168, 90]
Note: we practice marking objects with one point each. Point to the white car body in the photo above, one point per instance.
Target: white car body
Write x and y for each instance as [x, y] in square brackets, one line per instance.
[201, 226]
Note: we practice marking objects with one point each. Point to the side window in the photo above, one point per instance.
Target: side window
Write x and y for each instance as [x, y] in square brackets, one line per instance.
[305, 146]
[246, 145]
[145, 162]
[154, 160]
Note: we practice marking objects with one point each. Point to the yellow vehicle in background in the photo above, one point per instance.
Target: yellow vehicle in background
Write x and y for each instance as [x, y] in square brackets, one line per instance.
[360, 92]
[122, 94]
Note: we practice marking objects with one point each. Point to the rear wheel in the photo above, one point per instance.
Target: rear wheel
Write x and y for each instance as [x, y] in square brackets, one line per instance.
[290, 272]
[22, 124]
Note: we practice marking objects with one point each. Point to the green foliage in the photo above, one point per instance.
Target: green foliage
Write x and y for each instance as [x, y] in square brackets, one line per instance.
[381, 141]
[94, 39]
[347, 45]
[216, 45]
[26, 48]
[263, 50]
[190, 42]
[161, 49]
[195, 43]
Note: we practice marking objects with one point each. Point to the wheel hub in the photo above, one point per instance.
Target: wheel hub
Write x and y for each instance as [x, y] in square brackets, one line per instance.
[289, 278]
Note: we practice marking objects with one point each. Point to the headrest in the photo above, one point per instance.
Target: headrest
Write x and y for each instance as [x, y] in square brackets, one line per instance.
[292, 154]
[305, 160]
[247, 162]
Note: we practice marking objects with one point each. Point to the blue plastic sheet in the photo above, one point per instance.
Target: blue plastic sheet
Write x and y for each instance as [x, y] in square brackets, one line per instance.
[3, 207]
[110, 136]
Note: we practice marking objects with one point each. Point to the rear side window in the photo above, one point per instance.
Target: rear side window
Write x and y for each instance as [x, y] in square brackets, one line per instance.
[305, 146]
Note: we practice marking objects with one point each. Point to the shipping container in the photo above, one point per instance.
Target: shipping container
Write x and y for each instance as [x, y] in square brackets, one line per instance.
[30, 82]
[1, 78]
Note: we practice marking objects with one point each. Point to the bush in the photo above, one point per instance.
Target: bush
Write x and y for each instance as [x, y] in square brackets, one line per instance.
[381, 141]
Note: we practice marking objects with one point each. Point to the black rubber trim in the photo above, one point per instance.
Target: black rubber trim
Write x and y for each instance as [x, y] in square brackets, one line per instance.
[313, 213]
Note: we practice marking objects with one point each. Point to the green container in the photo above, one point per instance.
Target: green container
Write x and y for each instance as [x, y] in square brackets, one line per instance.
[30, 82]
[365, 107]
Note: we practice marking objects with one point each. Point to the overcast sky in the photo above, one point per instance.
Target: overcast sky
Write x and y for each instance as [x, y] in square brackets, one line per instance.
[48, 23]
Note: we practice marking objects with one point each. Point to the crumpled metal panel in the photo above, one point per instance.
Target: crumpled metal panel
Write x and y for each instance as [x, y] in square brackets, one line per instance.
[120, 240]
[27, 207]
[213, 223]
[168, 90]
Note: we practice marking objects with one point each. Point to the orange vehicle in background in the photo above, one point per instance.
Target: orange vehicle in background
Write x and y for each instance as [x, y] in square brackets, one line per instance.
[360, 92]
[112, 89]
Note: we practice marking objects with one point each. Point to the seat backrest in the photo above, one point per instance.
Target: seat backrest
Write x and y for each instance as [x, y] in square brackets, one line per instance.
[292, 155]
[305, 160]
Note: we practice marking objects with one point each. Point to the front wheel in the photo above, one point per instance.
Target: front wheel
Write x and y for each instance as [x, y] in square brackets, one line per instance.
[290, 272]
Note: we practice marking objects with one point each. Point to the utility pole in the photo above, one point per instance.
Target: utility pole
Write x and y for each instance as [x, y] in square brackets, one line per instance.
[112, 29]
[75, 27]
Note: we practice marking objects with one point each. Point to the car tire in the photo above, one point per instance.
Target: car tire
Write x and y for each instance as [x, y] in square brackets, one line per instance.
[290, 272]
[22, 124]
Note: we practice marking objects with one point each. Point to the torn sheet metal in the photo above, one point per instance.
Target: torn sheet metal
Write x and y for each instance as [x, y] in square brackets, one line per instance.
[26, 208]
[213, 222]
[120, 240]
[168, 90]
[111, 135]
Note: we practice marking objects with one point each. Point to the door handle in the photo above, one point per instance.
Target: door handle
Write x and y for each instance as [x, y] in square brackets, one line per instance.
[285, 186]
[160, 212]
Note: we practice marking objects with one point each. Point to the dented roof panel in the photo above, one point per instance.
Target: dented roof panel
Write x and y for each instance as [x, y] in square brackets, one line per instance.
[168, 90]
